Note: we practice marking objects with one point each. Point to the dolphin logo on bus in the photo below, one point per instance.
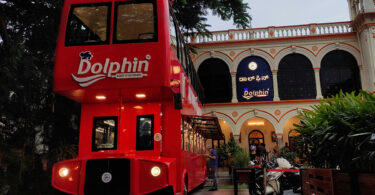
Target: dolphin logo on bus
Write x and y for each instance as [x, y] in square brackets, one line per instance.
[128, 69]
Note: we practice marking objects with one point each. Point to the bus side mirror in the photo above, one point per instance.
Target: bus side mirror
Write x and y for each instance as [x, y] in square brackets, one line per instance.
[177, 101]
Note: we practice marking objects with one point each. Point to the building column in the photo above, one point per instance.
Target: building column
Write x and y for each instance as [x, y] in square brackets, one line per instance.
[236, 139]
[279, 140]
[275, 86]
[234, 87]
[362, 78]
[317, 83]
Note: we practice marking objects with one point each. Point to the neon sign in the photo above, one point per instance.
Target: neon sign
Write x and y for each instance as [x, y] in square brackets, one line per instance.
[254, 80]
[255, 93]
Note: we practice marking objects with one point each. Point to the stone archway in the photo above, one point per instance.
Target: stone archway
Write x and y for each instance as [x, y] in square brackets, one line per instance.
[339, 71]
[260, 124]
[288, 127]
[296, 78]
[226, 129]
[216, 80]
[254, 80]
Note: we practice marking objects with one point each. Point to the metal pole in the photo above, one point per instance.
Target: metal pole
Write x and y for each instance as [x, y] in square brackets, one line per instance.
[264, 178]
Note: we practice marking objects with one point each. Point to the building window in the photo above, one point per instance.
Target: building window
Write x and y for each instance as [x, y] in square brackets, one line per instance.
[296, 78]
[135, 21]
[339, 71]
[104, 133]
[216, 81]
[88, 24]
[145, 132]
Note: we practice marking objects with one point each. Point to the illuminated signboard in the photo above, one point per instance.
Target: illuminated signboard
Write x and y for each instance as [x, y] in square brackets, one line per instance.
[254, 80]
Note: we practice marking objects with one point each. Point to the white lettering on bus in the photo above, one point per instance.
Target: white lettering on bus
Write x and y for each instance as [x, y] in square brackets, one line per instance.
[128, 69]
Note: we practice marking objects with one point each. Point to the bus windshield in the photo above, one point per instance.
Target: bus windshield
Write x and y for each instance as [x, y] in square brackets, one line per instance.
[135, 21]
[88, 24]
[104, 133]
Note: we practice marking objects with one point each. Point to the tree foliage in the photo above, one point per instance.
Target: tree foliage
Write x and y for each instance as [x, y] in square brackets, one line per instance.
[34, 122]
[38, 127]
[241, 159]
[192, 14]
[226, 151]
[340, 132]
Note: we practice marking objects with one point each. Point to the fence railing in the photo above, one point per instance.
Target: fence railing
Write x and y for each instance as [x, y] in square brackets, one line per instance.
[274, 32]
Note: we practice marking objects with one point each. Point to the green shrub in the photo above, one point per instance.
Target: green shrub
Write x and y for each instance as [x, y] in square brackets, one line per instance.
[226, 151]
[241, 159]
[287, 154]
[340, 132]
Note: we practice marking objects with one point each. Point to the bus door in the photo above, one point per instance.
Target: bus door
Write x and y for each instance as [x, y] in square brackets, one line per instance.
[142, 128]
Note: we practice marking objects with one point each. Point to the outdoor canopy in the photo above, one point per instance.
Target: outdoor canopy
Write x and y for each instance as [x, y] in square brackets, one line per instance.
[207, 126]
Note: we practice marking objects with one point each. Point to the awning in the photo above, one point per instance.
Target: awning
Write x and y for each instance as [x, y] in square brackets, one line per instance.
[207, 126]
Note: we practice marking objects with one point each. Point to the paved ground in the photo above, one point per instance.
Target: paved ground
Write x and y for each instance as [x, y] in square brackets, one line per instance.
[230, 191]
[220, 192]
[225, 180]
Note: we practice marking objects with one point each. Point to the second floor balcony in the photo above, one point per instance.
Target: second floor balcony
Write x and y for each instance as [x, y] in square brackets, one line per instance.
[302, 62]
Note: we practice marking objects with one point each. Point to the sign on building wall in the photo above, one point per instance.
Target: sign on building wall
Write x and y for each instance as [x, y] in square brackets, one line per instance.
[254, 80]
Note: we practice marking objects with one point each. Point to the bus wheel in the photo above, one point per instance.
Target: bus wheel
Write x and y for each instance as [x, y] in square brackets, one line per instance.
[186, 186]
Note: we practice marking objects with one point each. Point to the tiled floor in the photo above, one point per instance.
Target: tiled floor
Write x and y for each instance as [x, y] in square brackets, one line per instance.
[230, 191]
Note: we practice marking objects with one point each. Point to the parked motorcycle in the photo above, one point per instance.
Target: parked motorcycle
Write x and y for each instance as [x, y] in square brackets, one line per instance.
[277, 181]
[273, 185]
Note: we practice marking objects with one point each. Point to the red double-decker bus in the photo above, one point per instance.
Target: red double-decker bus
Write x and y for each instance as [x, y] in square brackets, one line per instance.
[141, 127]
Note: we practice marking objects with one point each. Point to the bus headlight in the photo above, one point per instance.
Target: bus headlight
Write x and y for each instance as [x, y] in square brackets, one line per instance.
[63, 172]
[155, 171]
[65, 175]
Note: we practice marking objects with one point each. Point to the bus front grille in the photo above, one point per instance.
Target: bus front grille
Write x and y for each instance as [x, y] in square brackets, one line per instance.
[107, 177]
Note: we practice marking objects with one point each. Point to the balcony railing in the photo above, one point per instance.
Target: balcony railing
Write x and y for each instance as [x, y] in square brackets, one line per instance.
[274, 32]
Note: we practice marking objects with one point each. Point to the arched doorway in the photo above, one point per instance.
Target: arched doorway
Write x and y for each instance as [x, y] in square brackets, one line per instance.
[296, 78]
[256, 136]
[339, 71]
[256, 124]
[216, 80]
[289, 132]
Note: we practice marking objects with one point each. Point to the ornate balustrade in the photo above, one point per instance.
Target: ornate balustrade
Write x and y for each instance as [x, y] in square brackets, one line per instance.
[274, 32]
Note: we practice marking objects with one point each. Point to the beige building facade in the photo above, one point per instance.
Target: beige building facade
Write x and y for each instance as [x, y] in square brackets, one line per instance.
[300, 65]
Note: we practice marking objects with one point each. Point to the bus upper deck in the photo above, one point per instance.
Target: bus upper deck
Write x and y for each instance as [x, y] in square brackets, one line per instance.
[120, 49]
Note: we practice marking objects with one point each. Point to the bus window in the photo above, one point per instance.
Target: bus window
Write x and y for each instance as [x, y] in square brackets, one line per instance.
[200, 144]
[182, 134]
[195, 143]
[182, 52]
[186, 140]
[145, 132]
[172, 34]
[135, 21]
[104, 133]
[191, 141]
[88, 24]
[182, 140]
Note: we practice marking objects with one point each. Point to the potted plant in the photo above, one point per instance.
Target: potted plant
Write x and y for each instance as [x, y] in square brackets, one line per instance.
[287, 154]
[242, 172]
[226, 152]
[340, 134]
[240, 159]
